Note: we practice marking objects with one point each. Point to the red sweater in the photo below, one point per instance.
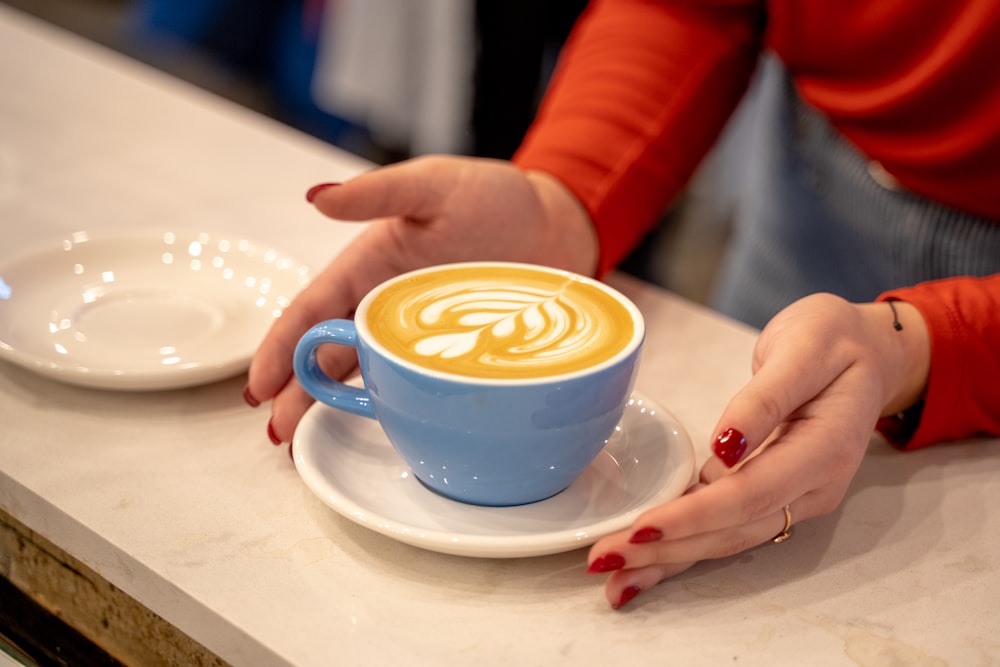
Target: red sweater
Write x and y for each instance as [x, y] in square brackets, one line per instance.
[645, 87]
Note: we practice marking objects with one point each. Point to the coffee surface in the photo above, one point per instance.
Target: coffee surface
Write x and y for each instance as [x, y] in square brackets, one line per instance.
[499, 322]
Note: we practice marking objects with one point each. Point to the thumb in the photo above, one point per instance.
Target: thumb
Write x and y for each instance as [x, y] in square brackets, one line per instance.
[788, 375]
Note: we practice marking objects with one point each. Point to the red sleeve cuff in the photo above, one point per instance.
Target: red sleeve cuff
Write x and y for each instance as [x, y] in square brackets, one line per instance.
[962, 398]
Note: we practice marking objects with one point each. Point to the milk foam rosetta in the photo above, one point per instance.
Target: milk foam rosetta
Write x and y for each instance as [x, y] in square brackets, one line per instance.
[499, 322]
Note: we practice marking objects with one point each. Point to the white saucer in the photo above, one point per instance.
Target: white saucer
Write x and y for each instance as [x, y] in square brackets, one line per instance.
[142, 309]
[350, 465]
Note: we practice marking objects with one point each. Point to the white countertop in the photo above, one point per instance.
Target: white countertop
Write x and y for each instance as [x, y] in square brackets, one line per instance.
[179, 499]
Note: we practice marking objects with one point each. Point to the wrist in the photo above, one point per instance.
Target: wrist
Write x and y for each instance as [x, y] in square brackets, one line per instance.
[902, 342]
[571, 240]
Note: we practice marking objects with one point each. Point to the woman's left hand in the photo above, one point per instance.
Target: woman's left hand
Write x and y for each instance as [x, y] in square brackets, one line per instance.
[824, 370]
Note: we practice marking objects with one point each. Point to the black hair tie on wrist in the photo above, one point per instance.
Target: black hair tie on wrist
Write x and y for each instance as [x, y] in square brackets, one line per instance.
[895, 318]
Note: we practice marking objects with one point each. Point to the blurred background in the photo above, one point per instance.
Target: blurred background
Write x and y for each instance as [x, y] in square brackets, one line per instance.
[386, 78]
[391, 79]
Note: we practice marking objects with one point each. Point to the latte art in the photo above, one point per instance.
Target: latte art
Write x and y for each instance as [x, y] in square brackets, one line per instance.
[509, 322]
[501, 327]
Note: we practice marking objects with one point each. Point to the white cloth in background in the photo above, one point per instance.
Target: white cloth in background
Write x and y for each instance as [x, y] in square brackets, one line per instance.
[402, 68]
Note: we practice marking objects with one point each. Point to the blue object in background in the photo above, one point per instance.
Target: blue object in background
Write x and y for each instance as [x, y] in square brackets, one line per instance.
[270, 42]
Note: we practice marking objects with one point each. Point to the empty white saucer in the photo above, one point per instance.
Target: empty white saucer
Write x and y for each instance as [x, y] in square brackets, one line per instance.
[142, 309]
[349, 464]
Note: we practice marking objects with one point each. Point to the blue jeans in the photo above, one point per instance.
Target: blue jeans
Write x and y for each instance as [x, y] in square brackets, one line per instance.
[815, 215]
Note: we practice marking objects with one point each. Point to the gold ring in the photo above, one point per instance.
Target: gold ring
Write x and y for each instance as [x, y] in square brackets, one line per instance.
[786, 532]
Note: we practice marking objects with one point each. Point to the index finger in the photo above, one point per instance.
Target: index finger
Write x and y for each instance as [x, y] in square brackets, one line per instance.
[728, 515]
[788, 471]
[412, 189]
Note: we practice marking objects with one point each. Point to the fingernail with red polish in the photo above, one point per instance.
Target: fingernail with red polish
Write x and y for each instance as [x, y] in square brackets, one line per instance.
[316, 189]
[648, 534]
[730, 446]
[606, 563]
[627, 594]
[271, 435]
[250, 399]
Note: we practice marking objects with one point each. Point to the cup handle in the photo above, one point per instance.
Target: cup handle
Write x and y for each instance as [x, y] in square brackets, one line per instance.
[320, 385]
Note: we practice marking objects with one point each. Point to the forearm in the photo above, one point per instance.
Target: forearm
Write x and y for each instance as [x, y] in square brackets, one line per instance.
[641, 93]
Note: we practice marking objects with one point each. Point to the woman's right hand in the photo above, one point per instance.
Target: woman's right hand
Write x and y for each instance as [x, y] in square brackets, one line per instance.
[425, 211]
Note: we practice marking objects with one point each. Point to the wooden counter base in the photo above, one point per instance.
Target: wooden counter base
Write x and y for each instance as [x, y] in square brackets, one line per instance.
[99, 611]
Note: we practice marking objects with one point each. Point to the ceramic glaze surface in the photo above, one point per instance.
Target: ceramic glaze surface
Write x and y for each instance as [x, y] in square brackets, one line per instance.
[141, 308]
[486, 441]
[350, 465]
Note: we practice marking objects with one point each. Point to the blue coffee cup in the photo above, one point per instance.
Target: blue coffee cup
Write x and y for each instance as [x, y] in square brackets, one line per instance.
[485, 441]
